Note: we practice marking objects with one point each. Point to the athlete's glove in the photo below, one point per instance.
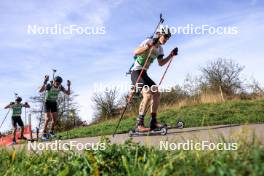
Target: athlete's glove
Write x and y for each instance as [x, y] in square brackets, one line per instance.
[12, 103]
[174, 52]
[26, 103]
[46, 79]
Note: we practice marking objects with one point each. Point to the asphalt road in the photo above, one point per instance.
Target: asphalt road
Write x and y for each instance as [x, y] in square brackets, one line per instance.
[212, 134]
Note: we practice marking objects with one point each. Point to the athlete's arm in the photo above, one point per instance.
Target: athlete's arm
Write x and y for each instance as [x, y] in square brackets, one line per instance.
[141, 49]
[10, 105]
[144, 46]
[68, 91]
[43, 87]
[26, 105]
[164, 61]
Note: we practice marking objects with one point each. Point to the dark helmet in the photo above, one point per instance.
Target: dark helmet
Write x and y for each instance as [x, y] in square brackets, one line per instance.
[18, 99]
[58, 79]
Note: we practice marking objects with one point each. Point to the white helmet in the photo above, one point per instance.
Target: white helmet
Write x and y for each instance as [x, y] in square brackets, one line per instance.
[164, 30]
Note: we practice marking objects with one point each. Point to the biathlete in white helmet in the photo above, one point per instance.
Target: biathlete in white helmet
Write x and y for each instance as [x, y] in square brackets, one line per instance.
[146, 85]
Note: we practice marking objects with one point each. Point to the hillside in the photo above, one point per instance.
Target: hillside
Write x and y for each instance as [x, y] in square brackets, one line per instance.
[230, 112]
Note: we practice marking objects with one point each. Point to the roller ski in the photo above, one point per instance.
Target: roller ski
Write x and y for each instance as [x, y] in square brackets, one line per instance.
[179, 125]
[154, 128]
[158, 131]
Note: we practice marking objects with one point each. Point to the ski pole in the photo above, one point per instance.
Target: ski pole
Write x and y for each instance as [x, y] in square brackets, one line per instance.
[162, 78]
[5, 118]
[133, 91]
[53, 75]
[25, 115]
[42, 109]
[160, 22]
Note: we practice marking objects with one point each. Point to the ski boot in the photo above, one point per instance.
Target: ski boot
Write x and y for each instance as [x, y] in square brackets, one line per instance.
[45, 137]
[22, 138]
[140, 127]
[153, 124]
[157, 127]
[52, 134]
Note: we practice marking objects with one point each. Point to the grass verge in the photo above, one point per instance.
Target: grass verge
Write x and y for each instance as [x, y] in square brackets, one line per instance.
[134, 160]
[230, 112]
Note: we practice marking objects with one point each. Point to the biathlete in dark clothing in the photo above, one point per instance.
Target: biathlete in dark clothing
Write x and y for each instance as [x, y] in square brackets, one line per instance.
[16, 117]
[52, 92]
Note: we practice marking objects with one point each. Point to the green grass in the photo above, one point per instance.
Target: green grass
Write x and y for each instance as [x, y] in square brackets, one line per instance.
[135, 160]
[230, 112]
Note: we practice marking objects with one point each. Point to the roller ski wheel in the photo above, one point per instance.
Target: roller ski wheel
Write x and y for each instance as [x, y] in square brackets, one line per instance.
[180, 124]
[131, 133]
[163, 131]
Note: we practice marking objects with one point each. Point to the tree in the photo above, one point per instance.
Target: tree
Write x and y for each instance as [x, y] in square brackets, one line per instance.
[256, 88]
[106, 104]
[192, 85]
[222, 75]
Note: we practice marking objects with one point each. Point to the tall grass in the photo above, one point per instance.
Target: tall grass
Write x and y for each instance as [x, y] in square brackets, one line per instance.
[204, 98]
[135, 160]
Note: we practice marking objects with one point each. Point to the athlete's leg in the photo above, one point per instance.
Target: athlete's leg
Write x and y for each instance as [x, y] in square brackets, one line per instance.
[14, 133]
[142, 109]
[14, 125]
[53, 120]
[146, 93]
[22, 132]
[154, 108]
[47, 119]
[21, 124]
[155, 99]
